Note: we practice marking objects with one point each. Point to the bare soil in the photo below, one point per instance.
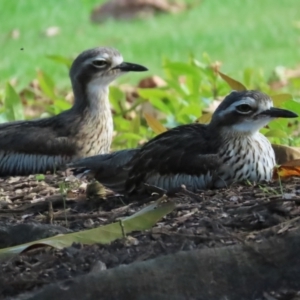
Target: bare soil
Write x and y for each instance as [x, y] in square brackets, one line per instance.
[32, 209]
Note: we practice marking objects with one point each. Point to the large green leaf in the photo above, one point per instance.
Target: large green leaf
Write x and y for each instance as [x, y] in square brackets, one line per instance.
[61, 59]
[116, 96]
[142, 220]
[153, 93]
[181, 68]
[292, 105]
[13, 104]
[47, 84]
[281, 98]
[276, 133]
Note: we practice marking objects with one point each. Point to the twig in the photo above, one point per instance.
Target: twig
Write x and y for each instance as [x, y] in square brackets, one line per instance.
[50, 213]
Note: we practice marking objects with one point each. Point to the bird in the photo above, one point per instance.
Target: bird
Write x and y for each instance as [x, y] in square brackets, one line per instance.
[199, 156]
[86, 129]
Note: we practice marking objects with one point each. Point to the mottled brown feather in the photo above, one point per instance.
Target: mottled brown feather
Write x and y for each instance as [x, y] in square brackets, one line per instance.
[186, 149]
[37, 146]
[199, 156]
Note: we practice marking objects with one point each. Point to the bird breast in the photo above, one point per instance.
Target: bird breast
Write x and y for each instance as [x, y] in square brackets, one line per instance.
[246, 158]
[95, 136]
[241, 158]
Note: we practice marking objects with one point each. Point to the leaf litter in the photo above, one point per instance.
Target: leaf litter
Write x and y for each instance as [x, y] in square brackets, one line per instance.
[32, 209]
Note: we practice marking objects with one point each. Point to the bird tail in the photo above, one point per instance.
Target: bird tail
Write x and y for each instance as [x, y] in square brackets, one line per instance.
[109, 169]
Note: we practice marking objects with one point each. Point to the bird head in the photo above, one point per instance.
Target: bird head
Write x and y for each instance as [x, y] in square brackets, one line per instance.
[98, 67]
[245, 112]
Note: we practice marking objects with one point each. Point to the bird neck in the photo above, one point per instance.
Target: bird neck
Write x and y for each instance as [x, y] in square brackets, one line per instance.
[97, 99]
[232, 134]
[93, 108]
[232, 131]
[91, 98]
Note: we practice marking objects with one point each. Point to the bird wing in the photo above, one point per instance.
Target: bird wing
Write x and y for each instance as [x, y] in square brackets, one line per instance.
[28, 147]
[109, 169]
[186, 155]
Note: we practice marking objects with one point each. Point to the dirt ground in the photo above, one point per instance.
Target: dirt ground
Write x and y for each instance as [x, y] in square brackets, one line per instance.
[32, 209]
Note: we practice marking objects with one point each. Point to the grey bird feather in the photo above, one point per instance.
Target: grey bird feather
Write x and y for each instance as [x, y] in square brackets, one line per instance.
[229, 149]
[110, 168]
[38, 146]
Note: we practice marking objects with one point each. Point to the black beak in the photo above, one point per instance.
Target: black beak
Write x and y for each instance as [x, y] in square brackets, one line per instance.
[126, 67]
[274, 112]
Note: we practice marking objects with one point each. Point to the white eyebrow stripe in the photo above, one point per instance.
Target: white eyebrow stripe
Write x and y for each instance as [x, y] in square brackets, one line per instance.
[105, 55]
[245, 100]
[116, 60]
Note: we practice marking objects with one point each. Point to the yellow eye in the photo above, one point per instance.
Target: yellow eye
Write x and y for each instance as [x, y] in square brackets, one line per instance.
[244, 108]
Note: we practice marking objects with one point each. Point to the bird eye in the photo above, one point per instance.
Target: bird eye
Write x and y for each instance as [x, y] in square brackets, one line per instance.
[99, 63]
[244, 108]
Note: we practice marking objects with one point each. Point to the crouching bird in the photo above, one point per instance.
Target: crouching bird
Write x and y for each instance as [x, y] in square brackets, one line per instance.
[228, 149]
[37, 146]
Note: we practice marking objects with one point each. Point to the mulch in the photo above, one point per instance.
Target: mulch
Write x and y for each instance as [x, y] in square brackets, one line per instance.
[32, 209]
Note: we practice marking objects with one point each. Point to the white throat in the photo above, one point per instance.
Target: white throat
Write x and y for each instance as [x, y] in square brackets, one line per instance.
[250, 127]
[99, 106]
[98, 97]
[98, 120]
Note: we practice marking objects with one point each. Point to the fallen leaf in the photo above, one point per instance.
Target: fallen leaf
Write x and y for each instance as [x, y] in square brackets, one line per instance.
[286, 171]
[52, 31]
[129, 9]
[285, 154]
[292, 163]
[152, 82]
[142, 220]
[15, 34]
[284, 229]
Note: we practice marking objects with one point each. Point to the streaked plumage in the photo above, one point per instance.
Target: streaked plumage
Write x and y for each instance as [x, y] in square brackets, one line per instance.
[37, 146]
[229, 149]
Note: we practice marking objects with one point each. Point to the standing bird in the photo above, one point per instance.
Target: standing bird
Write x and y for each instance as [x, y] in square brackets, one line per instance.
[37, 146]
[228, 149]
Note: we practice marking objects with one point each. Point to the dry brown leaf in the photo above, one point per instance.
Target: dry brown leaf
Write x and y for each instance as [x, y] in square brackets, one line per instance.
[52, 31]
[154, 124]
[284, 229]
[286, 154]
[15, 34]
[282, 76]
[289, 169]
[128, 9]
[289, 160]
[292, 163]
[152, 82]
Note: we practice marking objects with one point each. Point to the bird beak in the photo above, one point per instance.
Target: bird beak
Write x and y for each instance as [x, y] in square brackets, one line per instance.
[274, 112]
[126, 67]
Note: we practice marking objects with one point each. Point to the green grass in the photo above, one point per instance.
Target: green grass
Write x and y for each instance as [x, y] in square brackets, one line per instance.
[248, 33]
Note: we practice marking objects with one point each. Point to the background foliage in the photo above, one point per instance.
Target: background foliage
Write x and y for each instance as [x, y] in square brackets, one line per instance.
[259, 37]
[189, 88]
[242, 34]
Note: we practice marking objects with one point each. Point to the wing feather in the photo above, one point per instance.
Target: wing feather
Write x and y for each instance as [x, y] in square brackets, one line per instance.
[12, 164]
[28, 147]
[109, 169]
[187, 154]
